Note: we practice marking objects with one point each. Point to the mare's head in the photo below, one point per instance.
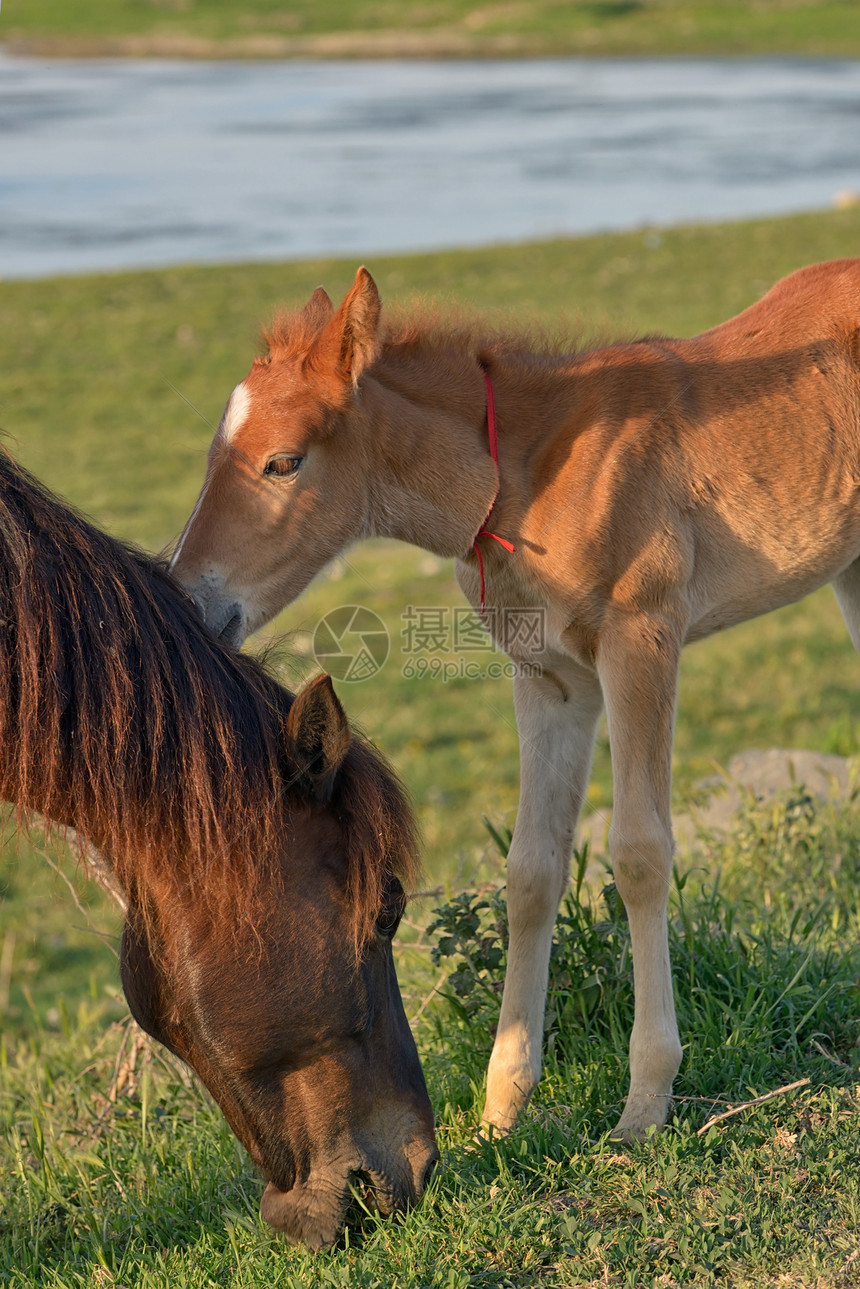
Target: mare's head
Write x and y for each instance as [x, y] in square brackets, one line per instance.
[290, 1012]
[259, 844]
[288, 477]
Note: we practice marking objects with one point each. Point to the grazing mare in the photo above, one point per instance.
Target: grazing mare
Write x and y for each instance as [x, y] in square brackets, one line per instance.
[258, 844]
[653, 492]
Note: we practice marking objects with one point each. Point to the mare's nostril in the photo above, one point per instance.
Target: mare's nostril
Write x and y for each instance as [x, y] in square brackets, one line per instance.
[428, 1171]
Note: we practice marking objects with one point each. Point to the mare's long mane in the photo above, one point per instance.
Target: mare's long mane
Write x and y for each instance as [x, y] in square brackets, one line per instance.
[121, 716]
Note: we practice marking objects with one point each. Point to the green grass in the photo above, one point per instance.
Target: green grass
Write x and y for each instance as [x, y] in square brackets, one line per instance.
[153, 1190]
[440, 27]
[160, 1193]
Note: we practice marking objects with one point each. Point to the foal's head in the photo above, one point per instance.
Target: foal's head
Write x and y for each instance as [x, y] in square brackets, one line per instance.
[287, 482]
[292, 1014]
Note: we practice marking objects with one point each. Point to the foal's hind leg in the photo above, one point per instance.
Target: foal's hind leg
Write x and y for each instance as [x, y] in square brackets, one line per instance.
[846, 587]
[638, 659]
[556, 728]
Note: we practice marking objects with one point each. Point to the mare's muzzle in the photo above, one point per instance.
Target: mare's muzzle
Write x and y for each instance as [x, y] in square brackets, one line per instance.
[313, 1211]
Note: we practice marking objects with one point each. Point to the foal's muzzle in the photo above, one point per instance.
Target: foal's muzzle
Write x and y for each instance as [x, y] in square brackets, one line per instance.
[232, 632]
[224, 616]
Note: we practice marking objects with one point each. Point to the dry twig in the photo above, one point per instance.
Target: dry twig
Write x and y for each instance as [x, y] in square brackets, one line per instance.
[428, 997]
[747, 1105]
[98, 867]
[93, 861]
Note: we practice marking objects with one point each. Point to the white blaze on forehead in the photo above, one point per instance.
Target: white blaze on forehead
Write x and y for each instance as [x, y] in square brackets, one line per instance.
[235, 412]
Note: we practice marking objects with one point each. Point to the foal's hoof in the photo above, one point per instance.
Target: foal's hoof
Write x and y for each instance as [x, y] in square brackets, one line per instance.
[487, 1133]
[501, 1115]
[626, 1136]
[646, 1114]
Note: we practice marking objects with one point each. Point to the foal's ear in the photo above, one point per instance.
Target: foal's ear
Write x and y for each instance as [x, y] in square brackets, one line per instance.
[317, 737]
[318, 310]
[351, 340]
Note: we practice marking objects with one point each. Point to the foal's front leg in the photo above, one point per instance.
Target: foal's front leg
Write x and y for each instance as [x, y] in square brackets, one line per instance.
[556, 723]
[638, 658]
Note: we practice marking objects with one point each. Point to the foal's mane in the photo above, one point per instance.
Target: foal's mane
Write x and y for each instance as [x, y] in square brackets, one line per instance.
[426, 326]
[121, 716]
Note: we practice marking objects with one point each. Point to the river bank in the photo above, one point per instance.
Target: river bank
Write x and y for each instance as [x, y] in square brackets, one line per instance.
[445, 29]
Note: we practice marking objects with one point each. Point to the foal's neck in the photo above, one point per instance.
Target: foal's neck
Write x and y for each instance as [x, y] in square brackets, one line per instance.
[433, 478]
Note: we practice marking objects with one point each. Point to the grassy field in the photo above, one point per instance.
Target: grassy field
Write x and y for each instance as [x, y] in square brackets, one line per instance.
[371, 28]
[149, 1189]
[108, 389]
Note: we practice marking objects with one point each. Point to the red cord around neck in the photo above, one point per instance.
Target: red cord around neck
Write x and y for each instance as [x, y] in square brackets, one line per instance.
[484, 531]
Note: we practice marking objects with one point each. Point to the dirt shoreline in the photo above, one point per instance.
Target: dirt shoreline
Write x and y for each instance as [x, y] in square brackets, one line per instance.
[344, 45]
[438, 43]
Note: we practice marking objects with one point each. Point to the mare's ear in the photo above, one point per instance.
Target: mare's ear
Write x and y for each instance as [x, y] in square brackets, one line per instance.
[318, 310]
[351, 340]
[317, 737]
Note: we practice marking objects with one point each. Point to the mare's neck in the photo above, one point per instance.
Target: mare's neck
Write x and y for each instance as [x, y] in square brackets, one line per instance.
[434, 479]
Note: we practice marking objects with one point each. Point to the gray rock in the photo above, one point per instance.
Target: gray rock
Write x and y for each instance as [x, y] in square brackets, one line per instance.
[762, 773]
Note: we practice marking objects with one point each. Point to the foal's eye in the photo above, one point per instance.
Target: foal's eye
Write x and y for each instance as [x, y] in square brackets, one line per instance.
[282, 467]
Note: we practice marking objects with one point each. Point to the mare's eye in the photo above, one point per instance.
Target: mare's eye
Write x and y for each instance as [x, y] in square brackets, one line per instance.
[392, 910]
[388, 921]
[282, 467]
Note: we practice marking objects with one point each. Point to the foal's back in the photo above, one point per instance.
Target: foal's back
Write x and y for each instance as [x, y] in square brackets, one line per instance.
[745, 440]
[817, 303]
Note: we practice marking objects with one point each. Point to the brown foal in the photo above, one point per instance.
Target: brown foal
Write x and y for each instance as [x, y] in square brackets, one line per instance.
[654, 492]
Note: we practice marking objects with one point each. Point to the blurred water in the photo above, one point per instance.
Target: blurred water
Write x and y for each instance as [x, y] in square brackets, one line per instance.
[119, 164]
